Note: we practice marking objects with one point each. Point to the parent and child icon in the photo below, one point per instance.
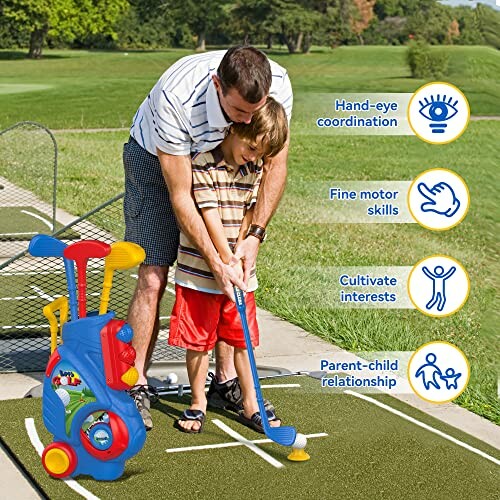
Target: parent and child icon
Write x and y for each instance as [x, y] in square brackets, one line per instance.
[430, 373]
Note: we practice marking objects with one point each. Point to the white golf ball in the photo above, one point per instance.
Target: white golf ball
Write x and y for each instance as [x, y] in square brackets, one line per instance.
[300, 442]
[63, 396]
[172, 378]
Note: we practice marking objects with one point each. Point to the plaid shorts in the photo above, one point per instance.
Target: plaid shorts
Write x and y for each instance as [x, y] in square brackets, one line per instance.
[149, 217]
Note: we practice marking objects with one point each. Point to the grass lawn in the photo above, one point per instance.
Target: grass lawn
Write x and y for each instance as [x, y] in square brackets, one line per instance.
[69, 89]
[91, 172]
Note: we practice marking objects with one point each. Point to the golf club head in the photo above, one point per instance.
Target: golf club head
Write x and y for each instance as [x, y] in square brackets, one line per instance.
[284, 435]
[83, 250]
[43, 245]
[80, 252]
[124, 255]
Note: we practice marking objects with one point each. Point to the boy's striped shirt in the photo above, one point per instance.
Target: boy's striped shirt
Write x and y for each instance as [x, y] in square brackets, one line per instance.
[232, 191]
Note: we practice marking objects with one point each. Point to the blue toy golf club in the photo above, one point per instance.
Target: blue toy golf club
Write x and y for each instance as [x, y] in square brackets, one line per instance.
[284, 435]
[43, 245]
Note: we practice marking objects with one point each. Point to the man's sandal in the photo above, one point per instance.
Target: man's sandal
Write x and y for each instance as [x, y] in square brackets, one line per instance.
[255, 421]
[194, 416]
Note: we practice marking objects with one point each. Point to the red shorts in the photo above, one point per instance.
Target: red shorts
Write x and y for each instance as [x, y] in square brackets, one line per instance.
[200, 319]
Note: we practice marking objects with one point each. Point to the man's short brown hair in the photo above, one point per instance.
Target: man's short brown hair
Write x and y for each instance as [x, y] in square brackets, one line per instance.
[248, 71]
[271, 123]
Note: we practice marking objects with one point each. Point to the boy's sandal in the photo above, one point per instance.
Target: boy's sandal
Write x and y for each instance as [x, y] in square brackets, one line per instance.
[255, 421]
[191, 415]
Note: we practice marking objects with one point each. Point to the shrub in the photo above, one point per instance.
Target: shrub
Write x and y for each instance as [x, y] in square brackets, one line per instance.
[425, 62]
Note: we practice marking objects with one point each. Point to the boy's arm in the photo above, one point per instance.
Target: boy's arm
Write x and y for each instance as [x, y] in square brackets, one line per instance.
[216, 232]
[178, 176]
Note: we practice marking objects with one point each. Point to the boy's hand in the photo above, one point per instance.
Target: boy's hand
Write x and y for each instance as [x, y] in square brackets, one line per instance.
[246, 251]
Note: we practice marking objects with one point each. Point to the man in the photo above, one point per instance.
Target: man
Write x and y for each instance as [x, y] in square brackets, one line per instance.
[189, 110]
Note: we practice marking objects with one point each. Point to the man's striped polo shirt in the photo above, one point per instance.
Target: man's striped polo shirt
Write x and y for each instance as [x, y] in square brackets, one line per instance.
[232, 191]
[182, 113]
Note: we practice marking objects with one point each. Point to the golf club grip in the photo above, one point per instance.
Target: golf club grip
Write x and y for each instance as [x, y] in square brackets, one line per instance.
[70, 279]
[241, 306]
[82, 298]
[106, 290]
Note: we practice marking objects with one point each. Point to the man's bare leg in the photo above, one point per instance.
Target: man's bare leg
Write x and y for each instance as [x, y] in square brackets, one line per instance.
[143, 314]
[224, 362]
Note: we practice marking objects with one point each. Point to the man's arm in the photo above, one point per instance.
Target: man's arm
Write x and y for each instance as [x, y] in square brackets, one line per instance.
[178, 176]
[270, 193]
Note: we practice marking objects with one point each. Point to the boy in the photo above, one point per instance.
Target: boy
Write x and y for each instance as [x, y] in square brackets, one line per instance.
[225, 185]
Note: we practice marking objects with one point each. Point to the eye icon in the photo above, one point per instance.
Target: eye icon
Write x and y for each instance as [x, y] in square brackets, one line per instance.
[438, 110]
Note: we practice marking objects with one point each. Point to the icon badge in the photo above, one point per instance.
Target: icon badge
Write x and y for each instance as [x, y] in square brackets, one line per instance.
[438, 199]
[438, 286]
[438, 113]
[438, 372]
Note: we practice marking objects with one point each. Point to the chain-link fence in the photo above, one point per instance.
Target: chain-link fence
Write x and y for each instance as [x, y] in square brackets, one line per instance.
[27, 284]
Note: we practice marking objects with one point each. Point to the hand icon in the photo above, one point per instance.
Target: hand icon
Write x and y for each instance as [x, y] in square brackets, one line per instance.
[440, 198]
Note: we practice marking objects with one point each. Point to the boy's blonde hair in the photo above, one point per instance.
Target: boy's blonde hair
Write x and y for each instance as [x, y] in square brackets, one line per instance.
[271, 122]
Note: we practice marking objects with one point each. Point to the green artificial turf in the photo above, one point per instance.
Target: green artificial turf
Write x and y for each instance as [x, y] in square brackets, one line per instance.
[16, 225]
[394, 459]
[25, 293]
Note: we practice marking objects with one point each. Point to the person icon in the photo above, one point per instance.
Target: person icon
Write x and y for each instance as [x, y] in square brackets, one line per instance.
[451, 378]
[428, 372]
[438, 278]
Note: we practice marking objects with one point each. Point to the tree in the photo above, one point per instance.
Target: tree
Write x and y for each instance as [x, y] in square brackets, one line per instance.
[202, 18]
[489, 23]
[453, 31]
[64, 19]
[363, 17]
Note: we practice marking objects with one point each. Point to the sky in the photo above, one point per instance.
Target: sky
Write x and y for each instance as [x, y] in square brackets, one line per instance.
[492, 3]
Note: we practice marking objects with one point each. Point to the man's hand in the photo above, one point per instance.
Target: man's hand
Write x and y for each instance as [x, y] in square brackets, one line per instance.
[246, 251]
[228, 275]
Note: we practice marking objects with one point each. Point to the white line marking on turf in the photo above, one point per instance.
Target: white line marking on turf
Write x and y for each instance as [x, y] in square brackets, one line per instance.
[43, 296]
[234, 443]
[39, 217]
[251, 446]
[41, 293]
[38, 445]
[18, 234]
[425, 426]
[25, 327]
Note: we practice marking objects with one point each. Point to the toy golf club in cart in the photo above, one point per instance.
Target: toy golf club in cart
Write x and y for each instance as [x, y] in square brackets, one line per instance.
[95, 423]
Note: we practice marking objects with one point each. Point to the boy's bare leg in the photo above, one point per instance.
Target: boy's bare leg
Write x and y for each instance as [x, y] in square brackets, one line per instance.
[143, 314]
[197, 368]
[224, 362]
[244, 371]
